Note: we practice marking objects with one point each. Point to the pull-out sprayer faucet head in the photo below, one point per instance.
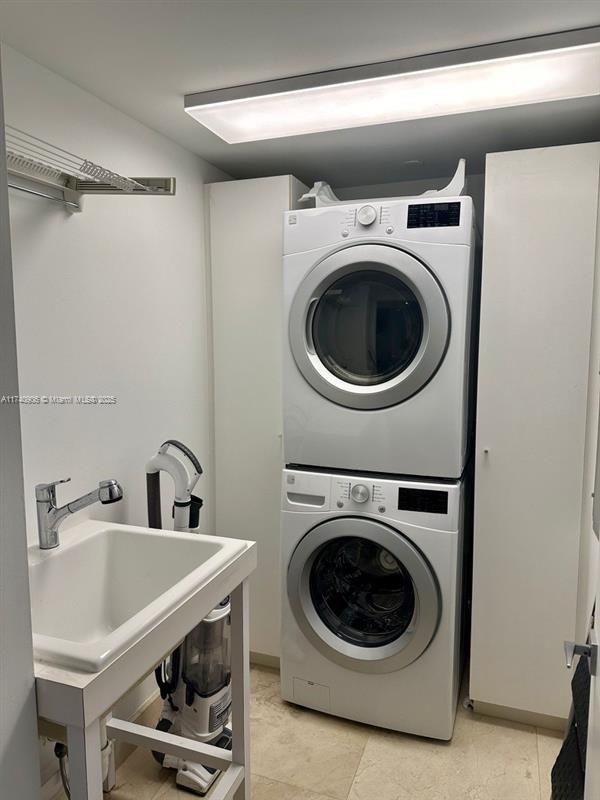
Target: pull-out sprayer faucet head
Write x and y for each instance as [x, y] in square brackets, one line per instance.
[109, 492]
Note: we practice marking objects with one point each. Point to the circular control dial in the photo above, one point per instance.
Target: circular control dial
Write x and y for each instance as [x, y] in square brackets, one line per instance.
[359, 493]
[367, 215]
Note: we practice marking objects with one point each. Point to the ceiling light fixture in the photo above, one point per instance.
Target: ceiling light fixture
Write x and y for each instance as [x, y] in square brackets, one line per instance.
[415, 88]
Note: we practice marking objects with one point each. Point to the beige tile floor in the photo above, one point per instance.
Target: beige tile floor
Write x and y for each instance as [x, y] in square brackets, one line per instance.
[299, 754]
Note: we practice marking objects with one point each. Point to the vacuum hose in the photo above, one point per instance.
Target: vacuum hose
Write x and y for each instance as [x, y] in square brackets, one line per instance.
[153, 496]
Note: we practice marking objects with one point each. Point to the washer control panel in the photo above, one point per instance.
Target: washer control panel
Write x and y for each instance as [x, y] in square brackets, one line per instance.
[413, 501]
[431, 504]
[359, 493]
[364, 494]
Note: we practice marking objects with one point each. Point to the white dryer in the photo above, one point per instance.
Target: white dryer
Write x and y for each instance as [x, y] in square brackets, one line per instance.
[371, 615]
[377, 342]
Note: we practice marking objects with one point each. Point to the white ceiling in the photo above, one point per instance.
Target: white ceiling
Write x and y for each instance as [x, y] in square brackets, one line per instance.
[142, 56]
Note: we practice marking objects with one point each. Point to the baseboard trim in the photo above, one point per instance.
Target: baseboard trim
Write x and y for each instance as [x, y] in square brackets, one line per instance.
[264, 660]
[518, 715]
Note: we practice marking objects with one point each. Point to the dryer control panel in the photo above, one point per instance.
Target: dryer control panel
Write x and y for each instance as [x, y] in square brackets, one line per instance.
[419, 502]
[450, 221]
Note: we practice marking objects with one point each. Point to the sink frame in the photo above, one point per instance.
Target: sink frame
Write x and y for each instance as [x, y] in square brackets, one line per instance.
[82, 702]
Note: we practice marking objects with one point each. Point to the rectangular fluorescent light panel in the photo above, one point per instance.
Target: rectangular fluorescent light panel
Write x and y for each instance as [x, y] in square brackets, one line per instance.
[496, 83]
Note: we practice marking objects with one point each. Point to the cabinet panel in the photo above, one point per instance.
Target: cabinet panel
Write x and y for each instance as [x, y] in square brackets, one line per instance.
[536, 306]
[246, 225]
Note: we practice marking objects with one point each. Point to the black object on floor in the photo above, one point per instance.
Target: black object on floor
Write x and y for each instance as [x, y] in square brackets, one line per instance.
[568, 772]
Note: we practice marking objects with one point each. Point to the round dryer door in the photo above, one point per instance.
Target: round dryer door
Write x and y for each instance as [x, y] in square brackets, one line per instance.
[369, 326]
[363, 594]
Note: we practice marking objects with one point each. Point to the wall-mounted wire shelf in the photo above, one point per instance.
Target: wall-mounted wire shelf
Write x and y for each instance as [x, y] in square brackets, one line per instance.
[40, 168]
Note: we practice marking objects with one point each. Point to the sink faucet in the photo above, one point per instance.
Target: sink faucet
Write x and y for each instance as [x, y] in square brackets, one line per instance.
[50, 516]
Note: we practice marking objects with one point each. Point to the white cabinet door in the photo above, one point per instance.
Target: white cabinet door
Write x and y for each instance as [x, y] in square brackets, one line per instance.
[592, 777]
[592, 761]
[246, 234]
[536, 316]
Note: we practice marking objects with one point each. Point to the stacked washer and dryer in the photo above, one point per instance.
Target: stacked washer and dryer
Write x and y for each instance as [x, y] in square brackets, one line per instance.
[378, 311]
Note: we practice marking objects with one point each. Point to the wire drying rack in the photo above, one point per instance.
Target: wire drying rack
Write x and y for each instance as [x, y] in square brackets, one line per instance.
[40, 168]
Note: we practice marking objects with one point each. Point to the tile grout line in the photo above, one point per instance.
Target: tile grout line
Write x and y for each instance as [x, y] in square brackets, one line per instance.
[364, 747]
[324, 794]
[537, 750]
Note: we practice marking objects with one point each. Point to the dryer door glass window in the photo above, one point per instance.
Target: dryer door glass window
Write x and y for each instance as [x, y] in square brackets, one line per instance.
[362, 592]
[367, 327]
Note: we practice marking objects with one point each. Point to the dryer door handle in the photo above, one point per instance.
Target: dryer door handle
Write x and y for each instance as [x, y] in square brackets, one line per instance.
[310, 314]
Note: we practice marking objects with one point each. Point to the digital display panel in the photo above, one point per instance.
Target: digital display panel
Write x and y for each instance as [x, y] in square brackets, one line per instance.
[433, 215]
[427, 500]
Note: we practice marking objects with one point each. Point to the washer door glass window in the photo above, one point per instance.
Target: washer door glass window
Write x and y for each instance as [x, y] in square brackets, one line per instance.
[362, 592]
[367, 327]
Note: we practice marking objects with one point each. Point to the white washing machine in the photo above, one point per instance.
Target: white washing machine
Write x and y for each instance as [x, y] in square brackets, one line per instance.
[377, 343]
[372, 599]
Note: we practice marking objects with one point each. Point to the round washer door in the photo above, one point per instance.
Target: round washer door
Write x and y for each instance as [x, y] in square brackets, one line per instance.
[363, 594]
[369, 326]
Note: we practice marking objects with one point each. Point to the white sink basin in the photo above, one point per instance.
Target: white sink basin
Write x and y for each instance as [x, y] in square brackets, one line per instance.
[106, 585]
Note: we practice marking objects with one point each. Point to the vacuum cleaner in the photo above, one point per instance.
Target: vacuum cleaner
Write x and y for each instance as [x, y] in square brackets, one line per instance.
[195, 680]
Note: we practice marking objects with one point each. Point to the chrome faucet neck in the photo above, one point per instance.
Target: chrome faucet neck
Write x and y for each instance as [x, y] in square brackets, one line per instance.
[50, 516]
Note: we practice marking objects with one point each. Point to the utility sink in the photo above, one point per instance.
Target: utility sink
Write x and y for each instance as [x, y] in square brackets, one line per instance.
[105, 586]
